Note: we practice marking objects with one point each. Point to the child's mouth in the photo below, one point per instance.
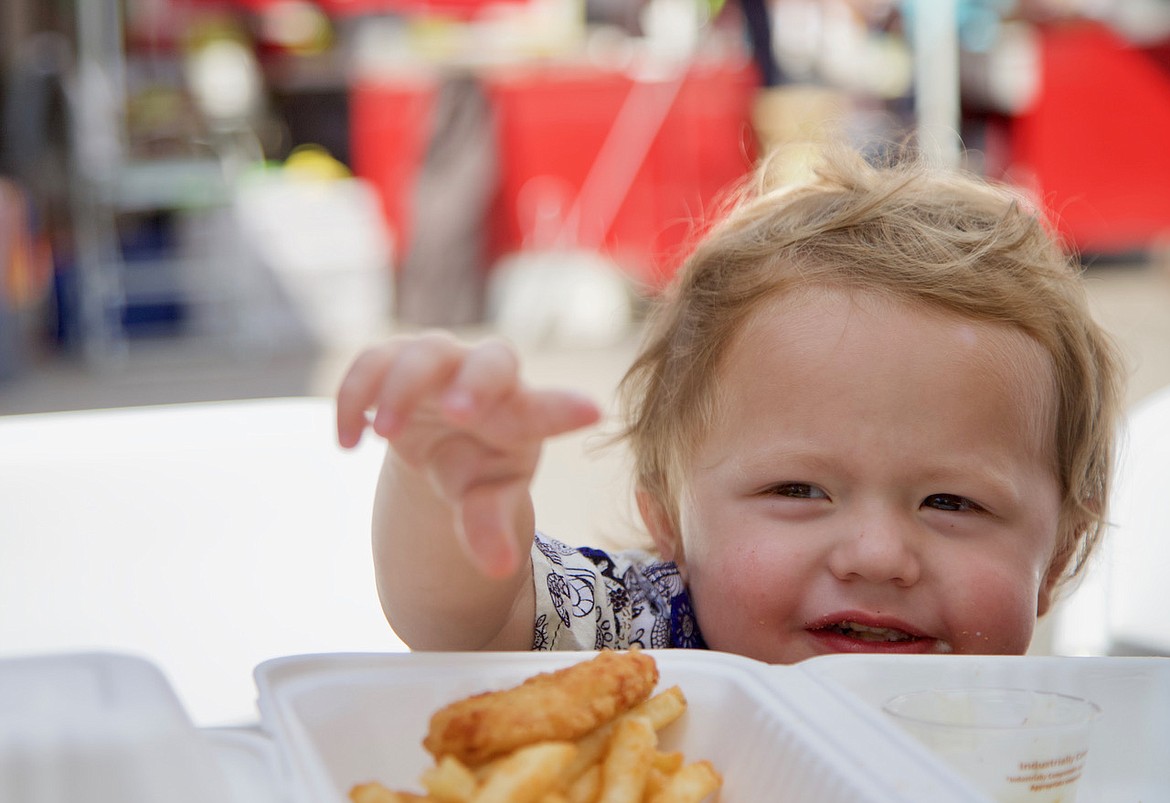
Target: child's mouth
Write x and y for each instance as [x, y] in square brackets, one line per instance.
[847, 635]
[867, 633]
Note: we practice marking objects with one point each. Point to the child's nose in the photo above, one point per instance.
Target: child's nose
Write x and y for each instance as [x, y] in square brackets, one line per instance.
[878, 547]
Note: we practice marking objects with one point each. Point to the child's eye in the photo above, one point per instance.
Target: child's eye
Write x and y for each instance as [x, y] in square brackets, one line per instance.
[798, 490]
[952, 502]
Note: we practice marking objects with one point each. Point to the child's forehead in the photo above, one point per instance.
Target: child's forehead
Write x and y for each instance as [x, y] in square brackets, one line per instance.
[815, 304]
[817, 324]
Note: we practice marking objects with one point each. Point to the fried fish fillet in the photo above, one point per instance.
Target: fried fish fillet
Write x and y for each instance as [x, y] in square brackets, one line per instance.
[563, 705]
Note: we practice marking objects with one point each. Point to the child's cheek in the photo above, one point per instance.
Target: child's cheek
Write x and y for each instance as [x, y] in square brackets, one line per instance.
[997, 616]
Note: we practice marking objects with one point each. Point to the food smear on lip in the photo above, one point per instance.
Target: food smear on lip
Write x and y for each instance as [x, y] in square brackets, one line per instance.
[584, 733]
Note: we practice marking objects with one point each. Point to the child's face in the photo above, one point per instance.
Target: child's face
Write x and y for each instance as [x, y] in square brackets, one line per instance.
[879, 479]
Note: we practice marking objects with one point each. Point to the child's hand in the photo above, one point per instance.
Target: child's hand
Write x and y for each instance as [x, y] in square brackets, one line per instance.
[460, 416]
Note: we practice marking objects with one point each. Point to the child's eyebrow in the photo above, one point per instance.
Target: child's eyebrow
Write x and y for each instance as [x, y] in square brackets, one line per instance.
[770, 459]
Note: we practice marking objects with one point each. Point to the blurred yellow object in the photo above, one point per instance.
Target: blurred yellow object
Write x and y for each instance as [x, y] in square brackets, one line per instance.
[794, 124]
[314, 162]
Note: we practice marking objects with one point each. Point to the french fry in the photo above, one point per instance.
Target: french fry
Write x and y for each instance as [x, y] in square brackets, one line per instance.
[661, 709]
[656, 781]
[527, 774]
[668, 762]
[372, 792]
[690, 784]
[629, 758]
[585, 787]
[664, 765]
[375, 792]
[449, 781]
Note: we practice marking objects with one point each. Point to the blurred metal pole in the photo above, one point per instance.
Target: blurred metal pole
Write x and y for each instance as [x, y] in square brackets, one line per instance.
[101, 68]
[936, 80]
[99, 38]
[98, 139]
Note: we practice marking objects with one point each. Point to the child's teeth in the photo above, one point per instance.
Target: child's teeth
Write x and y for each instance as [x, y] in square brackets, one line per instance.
[867, 633]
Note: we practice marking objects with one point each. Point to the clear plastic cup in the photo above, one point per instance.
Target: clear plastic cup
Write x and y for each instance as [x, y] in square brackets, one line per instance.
[1018, 745]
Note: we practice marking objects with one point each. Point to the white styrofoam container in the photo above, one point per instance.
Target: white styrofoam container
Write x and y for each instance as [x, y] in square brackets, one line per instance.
[1129, 755]
[99, 728]
[250, 762]
[774, 735]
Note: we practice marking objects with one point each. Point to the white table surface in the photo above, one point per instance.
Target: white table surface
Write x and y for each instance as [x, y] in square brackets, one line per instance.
[204, 537]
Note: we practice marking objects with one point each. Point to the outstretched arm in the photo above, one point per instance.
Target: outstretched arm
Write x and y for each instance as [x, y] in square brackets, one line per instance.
[453, 518]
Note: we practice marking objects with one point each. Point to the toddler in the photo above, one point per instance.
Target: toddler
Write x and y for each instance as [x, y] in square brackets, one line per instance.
[873, 413]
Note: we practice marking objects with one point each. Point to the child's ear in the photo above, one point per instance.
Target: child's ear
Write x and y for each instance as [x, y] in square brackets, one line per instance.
[1050, 585]
[1048, 591]
[661, 526]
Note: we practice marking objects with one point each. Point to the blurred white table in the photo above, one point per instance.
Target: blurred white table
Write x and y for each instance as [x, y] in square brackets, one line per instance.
[204, 537]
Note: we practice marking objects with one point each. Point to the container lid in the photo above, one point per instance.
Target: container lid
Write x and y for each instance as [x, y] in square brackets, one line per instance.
[250, 762]
[99, 728]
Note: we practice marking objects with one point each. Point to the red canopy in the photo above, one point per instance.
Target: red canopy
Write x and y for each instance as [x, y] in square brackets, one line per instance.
[343, 8]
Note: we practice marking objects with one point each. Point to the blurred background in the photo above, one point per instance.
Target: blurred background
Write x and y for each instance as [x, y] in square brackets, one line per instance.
[225, 199]
[194, 186]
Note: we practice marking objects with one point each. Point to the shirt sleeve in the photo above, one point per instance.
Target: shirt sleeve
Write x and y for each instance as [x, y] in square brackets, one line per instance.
[566, 610]
[588, 599]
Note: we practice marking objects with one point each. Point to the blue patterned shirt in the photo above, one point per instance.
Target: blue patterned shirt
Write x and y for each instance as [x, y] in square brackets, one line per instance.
[587, 599]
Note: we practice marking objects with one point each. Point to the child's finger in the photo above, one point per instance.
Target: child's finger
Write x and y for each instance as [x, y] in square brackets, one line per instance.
[540, 414]
[490, 372]
[488, 395]
[422, 367]
[486, 515]
[554, 412]
[357, 391]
